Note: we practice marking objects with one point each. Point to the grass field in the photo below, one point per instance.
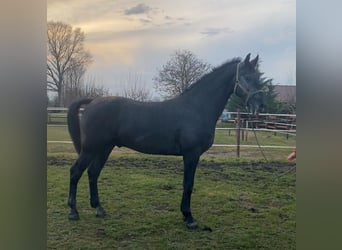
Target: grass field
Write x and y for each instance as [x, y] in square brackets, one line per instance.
[249, 203]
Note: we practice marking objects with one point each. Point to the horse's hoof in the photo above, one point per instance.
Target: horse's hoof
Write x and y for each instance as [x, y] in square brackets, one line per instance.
[73, 216]
[100, 212]
[192, 226]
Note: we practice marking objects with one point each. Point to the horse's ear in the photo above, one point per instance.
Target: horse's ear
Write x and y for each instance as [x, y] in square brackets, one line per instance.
[254, 62]
[246, 61]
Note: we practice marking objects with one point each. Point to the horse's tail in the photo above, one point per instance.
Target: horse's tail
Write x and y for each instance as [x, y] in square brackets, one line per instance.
[74, 122]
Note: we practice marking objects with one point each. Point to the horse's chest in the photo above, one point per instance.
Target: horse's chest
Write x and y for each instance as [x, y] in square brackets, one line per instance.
[208, 140]
[201, 139]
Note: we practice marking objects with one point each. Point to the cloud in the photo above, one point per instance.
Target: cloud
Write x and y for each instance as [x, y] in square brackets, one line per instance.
[142, 34]
[145, 21]
[215, 31]
[138, 9]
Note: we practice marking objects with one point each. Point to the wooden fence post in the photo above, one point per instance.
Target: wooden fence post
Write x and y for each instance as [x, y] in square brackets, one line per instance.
[246, 132]
[242, 130]
[238, 127]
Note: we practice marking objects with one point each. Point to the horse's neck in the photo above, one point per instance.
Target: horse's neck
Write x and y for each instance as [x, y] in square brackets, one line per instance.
[210, 101]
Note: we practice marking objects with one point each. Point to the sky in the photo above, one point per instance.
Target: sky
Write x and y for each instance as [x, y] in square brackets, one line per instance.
[136, 38]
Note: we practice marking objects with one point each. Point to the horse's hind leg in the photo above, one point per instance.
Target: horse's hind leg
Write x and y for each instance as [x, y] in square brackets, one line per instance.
[76, 172]
[93, 174]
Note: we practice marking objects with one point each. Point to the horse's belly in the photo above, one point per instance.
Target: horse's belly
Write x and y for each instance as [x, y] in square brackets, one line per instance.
[152, 144]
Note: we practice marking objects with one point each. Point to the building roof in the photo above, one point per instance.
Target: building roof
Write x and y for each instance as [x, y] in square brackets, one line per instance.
[285, 93]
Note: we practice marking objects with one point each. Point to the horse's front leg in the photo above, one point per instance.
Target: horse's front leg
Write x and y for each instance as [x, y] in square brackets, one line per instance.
[190, 164]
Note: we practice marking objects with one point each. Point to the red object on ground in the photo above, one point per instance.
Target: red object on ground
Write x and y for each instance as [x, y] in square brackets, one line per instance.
[293, 155]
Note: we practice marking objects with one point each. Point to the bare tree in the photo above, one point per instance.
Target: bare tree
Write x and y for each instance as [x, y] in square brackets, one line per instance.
[93, 89]
[73, 84]
[136, 92]
[182, 70]
[66, 57]
[136, 89]
[76, 88]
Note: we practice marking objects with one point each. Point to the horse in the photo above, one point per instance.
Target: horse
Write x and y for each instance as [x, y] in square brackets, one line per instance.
[182, 126]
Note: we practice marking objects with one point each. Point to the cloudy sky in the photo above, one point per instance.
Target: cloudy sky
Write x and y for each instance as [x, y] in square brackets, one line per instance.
[128, 37]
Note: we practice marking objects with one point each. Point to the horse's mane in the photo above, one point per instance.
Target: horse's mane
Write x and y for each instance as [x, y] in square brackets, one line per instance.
[216, 70]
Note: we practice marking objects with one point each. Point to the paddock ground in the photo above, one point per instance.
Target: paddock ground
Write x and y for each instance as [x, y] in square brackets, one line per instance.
[248, 203]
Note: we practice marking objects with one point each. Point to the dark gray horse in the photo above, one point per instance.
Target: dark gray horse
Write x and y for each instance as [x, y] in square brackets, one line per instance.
[184, 126]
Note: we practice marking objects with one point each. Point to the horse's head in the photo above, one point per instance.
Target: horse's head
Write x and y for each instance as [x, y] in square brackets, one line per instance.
[248, 85]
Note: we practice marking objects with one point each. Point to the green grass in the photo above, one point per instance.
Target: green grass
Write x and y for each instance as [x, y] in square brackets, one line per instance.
[249, 204]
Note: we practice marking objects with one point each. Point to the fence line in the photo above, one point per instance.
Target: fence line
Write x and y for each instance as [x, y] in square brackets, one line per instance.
[214, 145]
[60, 142]
[290, 131]
[248, 121]
[238, 128]
[262, 129]
[251, 146]
[242, 113]
[233, 113]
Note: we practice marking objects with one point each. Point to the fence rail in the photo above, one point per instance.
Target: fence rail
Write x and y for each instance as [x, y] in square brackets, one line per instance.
[242, 113]
[244, 123]
[214, 145]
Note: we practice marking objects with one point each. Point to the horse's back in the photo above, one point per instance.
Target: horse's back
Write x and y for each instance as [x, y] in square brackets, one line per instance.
[149, 127]
[125, 122]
